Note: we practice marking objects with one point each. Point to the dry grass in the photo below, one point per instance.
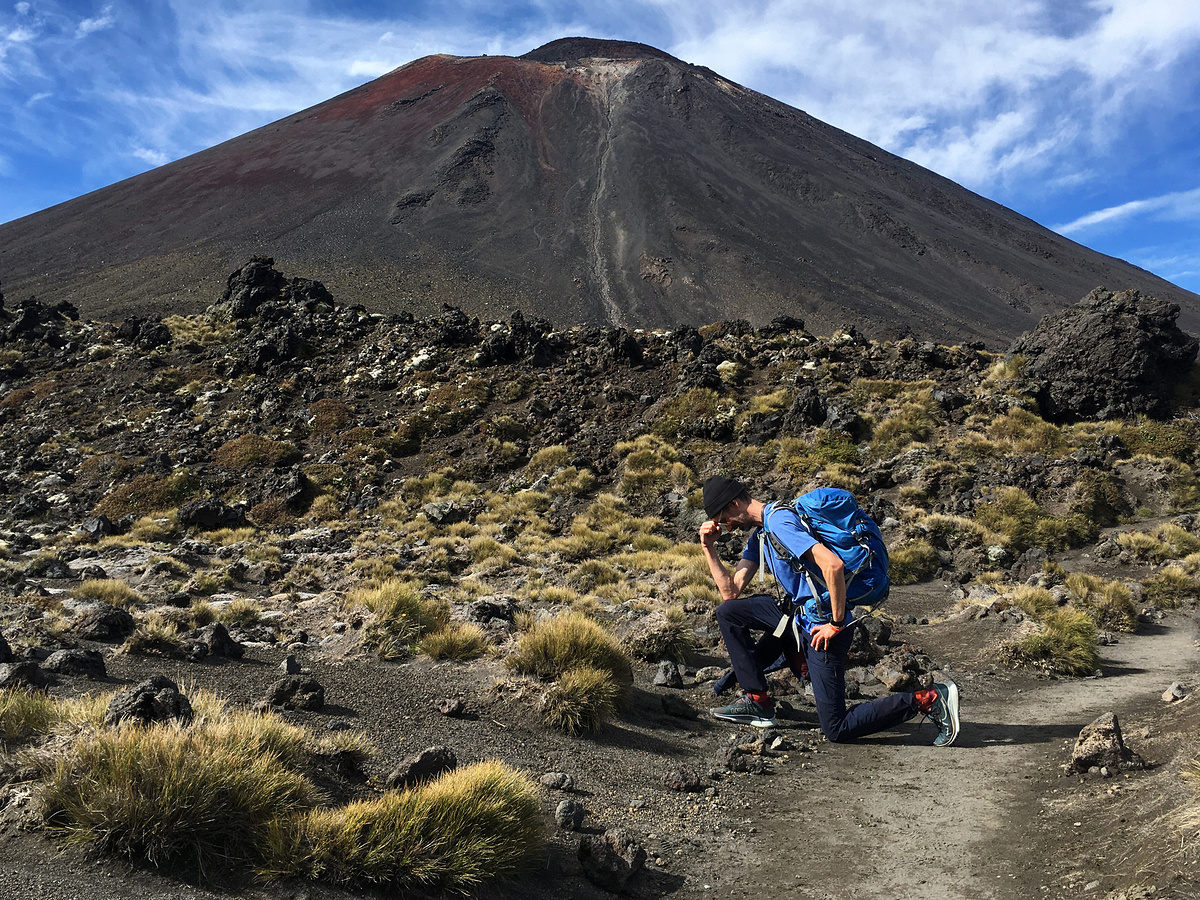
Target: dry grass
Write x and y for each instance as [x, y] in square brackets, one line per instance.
[556, 645]
[1107, 602]
[1066, 644]
[459, 641]
[108, 590]
[469, 827]
[581, 701]
[195, 800]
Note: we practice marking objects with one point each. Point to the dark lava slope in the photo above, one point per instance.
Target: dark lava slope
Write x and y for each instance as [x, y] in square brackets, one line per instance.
[586, 182]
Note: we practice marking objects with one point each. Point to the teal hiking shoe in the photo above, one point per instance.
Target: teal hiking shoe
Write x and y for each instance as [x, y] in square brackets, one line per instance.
[944, 714]
[746, 712]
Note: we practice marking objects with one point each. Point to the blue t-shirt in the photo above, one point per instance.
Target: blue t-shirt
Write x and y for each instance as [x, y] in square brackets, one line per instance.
[785, 525]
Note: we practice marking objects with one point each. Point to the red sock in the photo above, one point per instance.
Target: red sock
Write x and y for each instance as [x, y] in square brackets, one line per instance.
[925, 699]
[760, 699]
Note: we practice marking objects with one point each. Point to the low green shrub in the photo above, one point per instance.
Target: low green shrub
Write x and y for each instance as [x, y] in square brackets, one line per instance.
[147, 494]
[254, 451]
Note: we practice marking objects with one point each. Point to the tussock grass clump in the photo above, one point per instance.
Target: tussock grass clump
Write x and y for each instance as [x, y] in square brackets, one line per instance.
[24, 714]
[155, 635]
[1167, 440]
[650, 465]
[243, 613]
[1066, 644]
[912, 423]
[459, 641]
[548, 460]
[1017, 516]
[203, 330]
[799, 459]
[558, 644]
[1036, 602]
[663, 635]
[1166, 542]
[470, 826]
[581, 701]
[912, 562]
[592, 574]
[108, 590]
[1172, 587]
[254, 451]
[147, 494]
[488, 551]
[679, 413]
[402, 615]
[194, 799]
[27, 715]
[1026, 432]
[1108, 602]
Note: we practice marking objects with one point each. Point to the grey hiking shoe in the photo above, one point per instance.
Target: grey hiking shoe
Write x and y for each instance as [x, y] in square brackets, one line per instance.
[944, 714]
[746, 712]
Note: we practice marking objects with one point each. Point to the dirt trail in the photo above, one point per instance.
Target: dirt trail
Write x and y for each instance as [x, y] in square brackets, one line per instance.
[894, 818]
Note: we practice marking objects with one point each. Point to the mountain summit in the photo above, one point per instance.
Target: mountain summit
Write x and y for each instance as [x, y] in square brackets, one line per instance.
[587, 181]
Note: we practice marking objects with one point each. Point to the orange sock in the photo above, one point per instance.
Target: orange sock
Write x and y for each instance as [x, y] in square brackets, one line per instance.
[925, 699]
[760, 699]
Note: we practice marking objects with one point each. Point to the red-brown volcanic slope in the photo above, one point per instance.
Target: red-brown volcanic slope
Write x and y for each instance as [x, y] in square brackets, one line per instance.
[589, 181]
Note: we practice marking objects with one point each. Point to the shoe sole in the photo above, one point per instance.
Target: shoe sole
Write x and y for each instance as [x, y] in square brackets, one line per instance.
[756, 721]
[952, 710]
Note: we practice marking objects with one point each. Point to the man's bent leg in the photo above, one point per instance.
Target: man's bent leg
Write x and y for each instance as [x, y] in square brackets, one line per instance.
[739, 619]
[827, 672]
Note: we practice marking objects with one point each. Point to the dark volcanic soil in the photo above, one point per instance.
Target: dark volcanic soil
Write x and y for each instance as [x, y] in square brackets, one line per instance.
[887, 817]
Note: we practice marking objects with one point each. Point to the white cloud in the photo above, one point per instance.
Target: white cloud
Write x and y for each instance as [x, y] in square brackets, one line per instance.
[1177, 206]
[154, 157]
[22, 9]
[88, 26]
[978, 91]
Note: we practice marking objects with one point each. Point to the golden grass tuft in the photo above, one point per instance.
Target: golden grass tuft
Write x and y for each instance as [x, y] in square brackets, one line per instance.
[192, 799]
[402, 615]
[469, 827]
[108, 590]
[1066, 644]
[912, 562]
[457, 641]
[557, 644]
[581, 701]
[1108, 602]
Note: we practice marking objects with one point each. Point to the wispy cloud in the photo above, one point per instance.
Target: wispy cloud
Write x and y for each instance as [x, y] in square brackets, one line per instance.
[1179, 206]
[978, 91]
[105, 20]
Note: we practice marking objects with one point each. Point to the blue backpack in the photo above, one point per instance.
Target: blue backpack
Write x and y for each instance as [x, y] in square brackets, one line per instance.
[833, 517]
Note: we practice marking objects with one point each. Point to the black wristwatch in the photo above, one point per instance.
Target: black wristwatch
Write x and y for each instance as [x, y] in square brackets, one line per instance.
[836, 624]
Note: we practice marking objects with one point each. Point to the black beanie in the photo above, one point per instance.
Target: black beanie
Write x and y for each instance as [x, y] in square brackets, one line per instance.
[718, 492]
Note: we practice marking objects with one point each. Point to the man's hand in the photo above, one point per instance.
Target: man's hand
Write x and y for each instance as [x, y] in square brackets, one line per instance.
[710, 531]
[823, 634]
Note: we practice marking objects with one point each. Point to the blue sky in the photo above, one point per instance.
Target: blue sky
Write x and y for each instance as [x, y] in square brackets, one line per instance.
[1084, 116]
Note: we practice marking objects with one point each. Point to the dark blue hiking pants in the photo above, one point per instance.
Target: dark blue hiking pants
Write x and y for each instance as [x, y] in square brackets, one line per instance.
[740, 619]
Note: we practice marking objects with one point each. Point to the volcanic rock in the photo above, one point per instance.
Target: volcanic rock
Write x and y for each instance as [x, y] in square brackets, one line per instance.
[157, 699]
[296, 692]
[427, 765]
[611, 859]
[85, 663]
[1112, 355]
[1100, 744]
